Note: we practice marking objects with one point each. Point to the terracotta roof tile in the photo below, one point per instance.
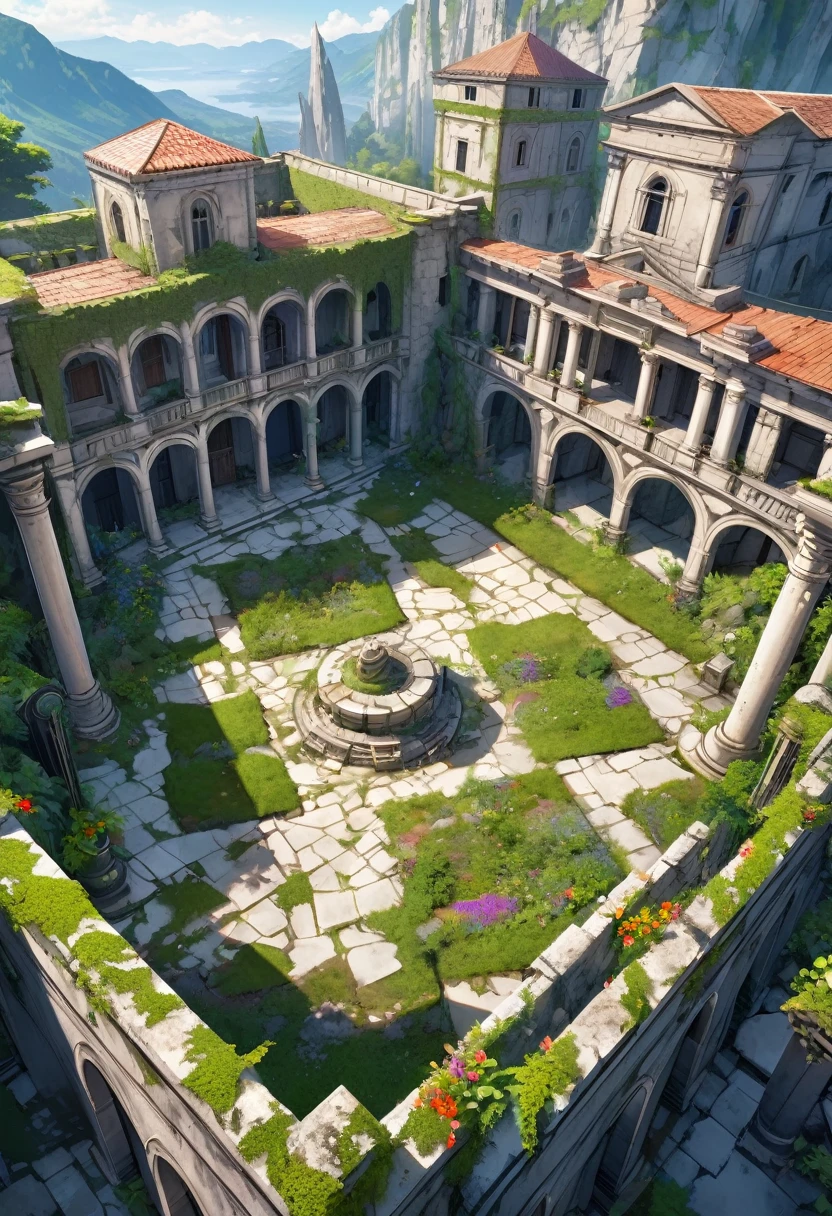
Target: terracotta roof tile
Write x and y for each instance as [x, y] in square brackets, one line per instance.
[803, 345]
[160, 146]
[87, 281]
[747, 111]
[322, 228]
[523, 57]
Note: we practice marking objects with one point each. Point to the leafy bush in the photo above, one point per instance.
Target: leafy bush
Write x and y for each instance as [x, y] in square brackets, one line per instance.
[667, 811]
[594, 663]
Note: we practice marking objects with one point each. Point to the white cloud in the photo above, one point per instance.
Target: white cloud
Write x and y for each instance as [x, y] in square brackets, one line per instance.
[338, 24]
[63, 20]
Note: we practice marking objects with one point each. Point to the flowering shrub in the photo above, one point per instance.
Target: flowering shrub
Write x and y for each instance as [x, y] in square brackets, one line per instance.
[81, 843]
[10, 802]
[527, 669]
[486, 910]
[644, 927]
[466, 1090]
[618, 697]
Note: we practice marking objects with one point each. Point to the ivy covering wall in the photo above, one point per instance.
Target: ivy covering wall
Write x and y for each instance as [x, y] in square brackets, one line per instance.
[41, 339]
[52, 233]
[321, 194]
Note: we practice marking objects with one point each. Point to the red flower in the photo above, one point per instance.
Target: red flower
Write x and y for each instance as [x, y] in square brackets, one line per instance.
[747, 849]
[454, 1124]
[809, 815]
[628, 941]
[451, 1141]
[26, 807]
[546, 1044]
[480, 1057]
[569, 892]
[473, 1076]
[666, 906]
[608, 982]
[89, 832]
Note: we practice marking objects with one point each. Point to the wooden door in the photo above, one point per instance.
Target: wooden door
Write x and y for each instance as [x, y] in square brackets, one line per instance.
[221, 454]
[153, 362]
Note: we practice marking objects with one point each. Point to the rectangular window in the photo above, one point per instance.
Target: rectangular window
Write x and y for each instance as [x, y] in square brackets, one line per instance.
[470, 92]
[534, 99]
[443, 291]
[461, 155]
[153, 362]
[85, 382]
[520, 154]
[577, 99]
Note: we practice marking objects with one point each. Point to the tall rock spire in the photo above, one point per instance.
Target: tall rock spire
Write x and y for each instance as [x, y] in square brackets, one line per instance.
[324, 108]
[307, 137]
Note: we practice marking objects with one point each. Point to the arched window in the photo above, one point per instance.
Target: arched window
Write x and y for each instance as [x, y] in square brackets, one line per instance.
[573, 156]
[732, 228]
[201, 225]
[118, 223]
[825, 209]
[520, 153]
[798, 272]
[655, 199]
[514, 226]
[274, 340]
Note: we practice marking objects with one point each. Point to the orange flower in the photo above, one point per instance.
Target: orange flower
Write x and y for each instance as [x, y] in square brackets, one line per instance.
[89, 832]
[418, 1102]
[646, 931]
[666, 906]
[546, 1044]
[619, 912]
[628, 941]
[657, 924]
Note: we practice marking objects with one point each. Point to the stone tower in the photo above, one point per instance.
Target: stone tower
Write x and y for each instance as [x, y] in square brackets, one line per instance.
[519, 123]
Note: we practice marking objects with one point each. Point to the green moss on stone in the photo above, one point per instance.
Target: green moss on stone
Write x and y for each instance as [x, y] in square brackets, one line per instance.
[305, 1191]
[216, 1077]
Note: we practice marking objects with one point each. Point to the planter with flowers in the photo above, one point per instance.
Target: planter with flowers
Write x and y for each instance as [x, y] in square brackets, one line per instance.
[637, 932]
[88, 856]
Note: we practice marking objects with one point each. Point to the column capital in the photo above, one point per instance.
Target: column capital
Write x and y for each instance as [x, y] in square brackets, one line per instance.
[575, 325]
[650, 357]
[722, 185]
[616, 159]
[813, 561]
[707, 381]
[26, 491]
[735, 390]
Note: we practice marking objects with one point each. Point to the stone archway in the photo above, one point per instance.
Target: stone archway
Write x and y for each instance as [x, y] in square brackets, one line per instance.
[617, 1152]
[333, 407]
[232, 450]
[284, 434]
[582, 478]
[690, 1058]
[508, 435]
[377, 402]
[120, 1142]
[175, 1193]
[740, 548]
[661, 525]
[174, 480]
[109, 502]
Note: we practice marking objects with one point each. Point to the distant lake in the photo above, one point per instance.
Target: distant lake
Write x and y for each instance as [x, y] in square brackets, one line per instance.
[221, 89]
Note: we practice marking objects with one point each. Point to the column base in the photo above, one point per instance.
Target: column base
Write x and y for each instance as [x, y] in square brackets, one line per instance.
[264, 497]
[355, 464]
[598, 249]
[766, 1148]
[93, 714]
[715, 752]
[210, 525]
[316, 482]
[92, 578]
[614, 536]
[162, 549]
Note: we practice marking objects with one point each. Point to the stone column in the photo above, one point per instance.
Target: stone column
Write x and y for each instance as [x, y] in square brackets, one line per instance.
[616, 525]
[395, 412]
[91, 576]
[357, 323]
[313, 477]
[738, 736]
[207, 510]
[570, 358]
[261, 460]
[531, 333]
[712, 236]
[729, 425]
[190, 368]
[696, 565]
[543, 348]
[311, 342]
[152, 531]
[485, 311]
[699, 413]
[825, 467]
[125, 382]
[255, 355]
[92, 712]
[356, 457]
[796, 1085]
[823, 668]
[646, 385]
[606, 212]
[762, 445]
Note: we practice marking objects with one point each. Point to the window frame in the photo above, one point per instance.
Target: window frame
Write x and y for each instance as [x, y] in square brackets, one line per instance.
[520, 153]
[470, 92]
[578, 99]
[461, 155]
[534, 97]
[118, 229]
[198, 223]
[576, 145]
[736, 217]
[651, 195]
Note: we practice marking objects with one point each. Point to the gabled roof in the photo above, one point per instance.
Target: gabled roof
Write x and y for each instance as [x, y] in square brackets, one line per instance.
[802, 345]
[747, 111]
[87, 281]
[162, 145]
[523, 57]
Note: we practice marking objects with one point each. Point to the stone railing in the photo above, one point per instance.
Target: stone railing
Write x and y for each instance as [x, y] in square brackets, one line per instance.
[232, 390]
[289, 374]
[168, 415]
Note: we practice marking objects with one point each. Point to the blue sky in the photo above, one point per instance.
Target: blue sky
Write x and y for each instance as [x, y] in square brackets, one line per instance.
[220, 22]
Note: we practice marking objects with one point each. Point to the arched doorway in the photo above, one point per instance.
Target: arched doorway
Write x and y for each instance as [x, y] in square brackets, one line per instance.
[690, 1059]
[175, 1192]
[284, 434]
[109, 503]
[118, 1138]
[661, 524]
[616, 1152]
[508, 438]
[174, 483]
[91, 392]
[740, 550]
[332, 322]
[231, 454]
[156, 371]
[582, 479]
[283, 335]
[377, 404]
[378, 313]
[333, 409]
[222, 350]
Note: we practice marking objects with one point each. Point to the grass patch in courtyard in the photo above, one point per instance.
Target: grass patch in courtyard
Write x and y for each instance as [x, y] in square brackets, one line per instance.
[297, 889]
[562, 713]
[189, 900]
[415, 546]
[391, 677]
[435, 574]
[312, 595]
[213, 780]
[667, 811]
[254, 968]
[517, 864]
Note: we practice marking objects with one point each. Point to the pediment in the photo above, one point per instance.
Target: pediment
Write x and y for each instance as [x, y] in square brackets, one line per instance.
[668, 106]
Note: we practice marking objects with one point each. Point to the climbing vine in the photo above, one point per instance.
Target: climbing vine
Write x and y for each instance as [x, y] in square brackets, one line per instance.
[445, 428]
[54, 233]
[508, 116]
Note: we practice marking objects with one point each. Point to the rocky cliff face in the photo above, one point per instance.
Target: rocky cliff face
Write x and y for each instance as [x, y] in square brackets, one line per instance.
[322, 119]
[636, 44]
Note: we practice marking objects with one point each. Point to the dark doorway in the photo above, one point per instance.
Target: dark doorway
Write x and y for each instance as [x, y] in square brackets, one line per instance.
[221, 454]
[284, 433]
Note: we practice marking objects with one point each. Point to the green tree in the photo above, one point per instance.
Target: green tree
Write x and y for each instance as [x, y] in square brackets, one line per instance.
[258, 140]
[20, 173]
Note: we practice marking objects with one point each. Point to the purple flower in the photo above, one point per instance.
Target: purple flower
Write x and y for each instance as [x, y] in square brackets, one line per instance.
[456, 1068]
[486, 910]
[619, 696]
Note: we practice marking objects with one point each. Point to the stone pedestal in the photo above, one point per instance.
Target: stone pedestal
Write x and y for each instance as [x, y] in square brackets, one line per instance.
[794, 1088]
[91, 710]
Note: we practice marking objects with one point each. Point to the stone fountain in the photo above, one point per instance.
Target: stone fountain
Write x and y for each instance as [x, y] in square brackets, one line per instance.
[410, 722]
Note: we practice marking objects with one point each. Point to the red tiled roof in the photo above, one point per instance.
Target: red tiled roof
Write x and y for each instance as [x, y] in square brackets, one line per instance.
[87, 281]
[161, 145]
[322, 228]
[803, 345]
[523, 57]
[747, 111]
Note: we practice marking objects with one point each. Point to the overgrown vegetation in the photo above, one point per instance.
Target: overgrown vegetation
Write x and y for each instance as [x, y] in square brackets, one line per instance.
[668, 810]
[312, 595]
[562, 712]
